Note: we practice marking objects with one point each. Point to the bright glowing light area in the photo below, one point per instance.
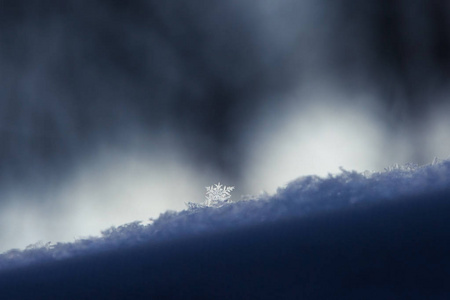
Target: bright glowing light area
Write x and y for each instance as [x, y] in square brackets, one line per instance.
[316, 138]
[109, 189]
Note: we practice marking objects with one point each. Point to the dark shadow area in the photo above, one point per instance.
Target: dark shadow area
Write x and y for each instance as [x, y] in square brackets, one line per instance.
[79, 73]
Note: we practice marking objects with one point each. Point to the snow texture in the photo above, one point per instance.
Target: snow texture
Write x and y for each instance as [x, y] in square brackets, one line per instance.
[305, 196]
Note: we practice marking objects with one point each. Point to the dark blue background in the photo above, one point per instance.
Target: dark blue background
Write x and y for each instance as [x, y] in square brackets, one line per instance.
[74, 74]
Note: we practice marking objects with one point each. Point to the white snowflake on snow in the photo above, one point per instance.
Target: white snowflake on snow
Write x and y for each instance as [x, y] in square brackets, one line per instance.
[216, 196]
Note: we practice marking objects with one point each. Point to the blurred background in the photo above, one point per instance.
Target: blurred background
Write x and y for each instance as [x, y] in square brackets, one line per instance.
[115, 111]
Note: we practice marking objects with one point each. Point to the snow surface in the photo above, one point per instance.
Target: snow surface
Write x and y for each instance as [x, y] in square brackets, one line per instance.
[304, 196]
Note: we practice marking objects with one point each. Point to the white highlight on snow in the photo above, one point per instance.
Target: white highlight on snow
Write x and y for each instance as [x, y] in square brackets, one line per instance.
[322, 128]
[315, 134]
[114, 186]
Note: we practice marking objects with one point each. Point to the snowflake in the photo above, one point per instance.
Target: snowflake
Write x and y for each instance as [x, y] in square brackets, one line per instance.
[216, 196]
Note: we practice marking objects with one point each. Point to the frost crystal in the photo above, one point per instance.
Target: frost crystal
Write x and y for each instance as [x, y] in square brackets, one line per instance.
[216, 196]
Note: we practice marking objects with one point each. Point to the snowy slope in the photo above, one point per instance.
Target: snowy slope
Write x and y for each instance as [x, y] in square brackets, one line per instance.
[352, 236]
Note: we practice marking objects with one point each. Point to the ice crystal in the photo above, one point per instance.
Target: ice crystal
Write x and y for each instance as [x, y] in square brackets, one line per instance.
[216, 196]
